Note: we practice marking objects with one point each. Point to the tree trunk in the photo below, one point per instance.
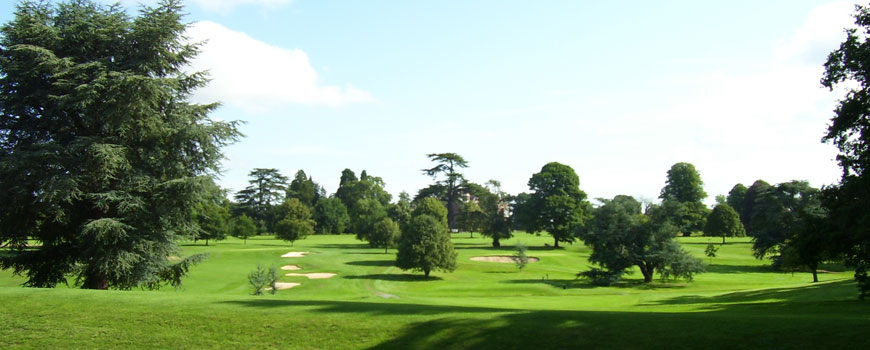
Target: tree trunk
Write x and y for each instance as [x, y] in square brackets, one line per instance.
[647, 273]
[495, 242]
[815, 269]
[206, 242]
[723, 239]
[426, 271]
[385, 249]
[471, 233]
[556, 245]
[96, 281]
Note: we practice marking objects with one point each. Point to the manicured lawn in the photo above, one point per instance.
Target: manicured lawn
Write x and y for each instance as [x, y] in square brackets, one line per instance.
[739, 303]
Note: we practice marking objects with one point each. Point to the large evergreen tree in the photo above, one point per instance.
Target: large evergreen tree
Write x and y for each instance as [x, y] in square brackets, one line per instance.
[265, 190]
[684, 186]
[451, 185]
[102, 156]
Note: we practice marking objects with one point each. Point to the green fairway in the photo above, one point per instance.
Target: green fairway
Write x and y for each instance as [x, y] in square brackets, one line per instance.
[739, 303]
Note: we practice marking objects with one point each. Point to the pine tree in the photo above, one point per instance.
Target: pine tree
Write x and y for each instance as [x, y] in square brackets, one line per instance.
[102, 156]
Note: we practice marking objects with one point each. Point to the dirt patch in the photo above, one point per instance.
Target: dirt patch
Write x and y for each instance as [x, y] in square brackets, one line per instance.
[294, 255]
[283, 285]
[290, 268]
[387, 296]
[313, 276]
[501, 259]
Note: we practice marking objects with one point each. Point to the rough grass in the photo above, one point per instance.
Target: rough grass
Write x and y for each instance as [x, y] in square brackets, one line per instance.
[740, 303]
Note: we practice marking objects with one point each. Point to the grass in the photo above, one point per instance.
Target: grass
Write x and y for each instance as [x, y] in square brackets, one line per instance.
[740, 303]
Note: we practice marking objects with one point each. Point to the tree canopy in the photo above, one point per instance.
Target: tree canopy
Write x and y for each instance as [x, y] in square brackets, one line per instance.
[266, 188]
[683, 184]
[425, 246]
[102, 154]
[557, 206]
[451, 186]
[724, 222]
[850, 132]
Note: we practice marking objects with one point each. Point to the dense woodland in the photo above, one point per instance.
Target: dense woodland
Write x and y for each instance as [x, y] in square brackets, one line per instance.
[106, 165]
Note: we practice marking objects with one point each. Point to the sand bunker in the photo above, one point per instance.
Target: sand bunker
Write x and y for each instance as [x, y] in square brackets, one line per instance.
[501, 259]
[290, 268]
[294, 255]
[283, 285]
[313, 276]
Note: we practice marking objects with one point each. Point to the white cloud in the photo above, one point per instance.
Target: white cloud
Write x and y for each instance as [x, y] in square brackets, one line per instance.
[257, 76]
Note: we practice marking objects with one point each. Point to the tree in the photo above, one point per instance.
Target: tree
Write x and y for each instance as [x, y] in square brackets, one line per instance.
[293, 221]
[213, 220]
[520, 257]
[557, 206]
[425, 246]
[400, 211]
[363, 217]
[725, 222]
[384, 234]
[242, 227]
[736, 196]
[684, 186]
[758, 189]
[433, 208]
[496, 209]
[266, 189]
[305, 189]
[102, 154]
[847, 202]
[711, 251]
[471, 218]
[293, 229]
[331, 216]
[447, 166]
[622, 237]
[790, 227]
[348, 178]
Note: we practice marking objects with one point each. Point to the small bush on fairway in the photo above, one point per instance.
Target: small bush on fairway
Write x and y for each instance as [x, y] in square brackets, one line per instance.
[261, 277]
[520, 256]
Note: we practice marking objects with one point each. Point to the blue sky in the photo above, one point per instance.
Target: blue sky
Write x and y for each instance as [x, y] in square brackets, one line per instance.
[620, 91]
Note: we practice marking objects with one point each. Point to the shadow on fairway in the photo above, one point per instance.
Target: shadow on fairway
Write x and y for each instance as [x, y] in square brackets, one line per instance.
[812, 292]
[372, 263]
[789, 324]
[405, 277]
[714, 268]
[505, 248]
[343, 246]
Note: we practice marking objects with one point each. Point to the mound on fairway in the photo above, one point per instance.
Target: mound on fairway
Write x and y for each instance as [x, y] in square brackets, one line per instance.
[290, 268]
[501, 259]
[294, 255]
[312, 276]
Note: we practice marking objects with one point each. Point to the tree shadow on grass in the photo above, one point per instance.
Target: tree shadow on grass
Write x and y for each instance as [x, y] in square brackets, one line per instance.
[404, 277]
[811, 293]
[715, 268]
[344, 246]
[372, 263]
[788, 324]
[509, 248]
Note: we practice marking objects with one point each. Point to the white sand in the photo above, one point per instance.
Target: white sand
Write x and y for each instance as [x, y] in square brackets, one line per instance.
[501, 259]
[290, 268]
[283, 285]
[294, 255]
[313, 275]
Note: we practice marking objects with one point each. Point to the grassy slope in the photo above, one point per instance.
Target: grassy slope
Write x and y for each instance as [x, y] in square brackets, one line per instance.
[740, 303]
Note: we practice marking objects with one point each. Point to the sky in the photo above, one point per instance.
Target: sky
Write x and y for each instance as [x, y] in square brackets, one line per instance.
[619, 91]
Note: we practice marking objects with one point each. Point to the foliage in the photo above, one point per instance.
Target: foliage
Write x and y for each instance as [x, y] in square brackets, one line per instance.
[791, 227]
[305, 189]
[331, 216]
[750, 211]
[520, 257]
[432, 207]
[400, 211]
[850, 132]
[557, 206]
[601, 277]
[266, 189]
[262, 277]
[471, 218]
[736, 196]
[384, 234]
[213, 220]
[102, 156]
[682, 199]
[447, 165]
[242, 227]
[293, 229]
[622, 237]
[724, 222]
[710, 251]
[425, 246]
[364, 215]
[683, 184]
